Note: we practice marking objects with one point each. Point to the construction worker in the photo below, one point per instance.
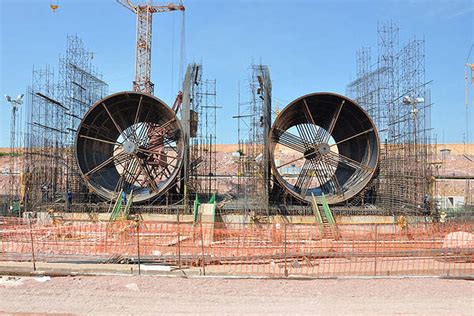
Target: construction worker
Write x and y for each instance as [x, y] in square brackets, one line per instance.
[442, 217]
[124, 197]
[69, 198]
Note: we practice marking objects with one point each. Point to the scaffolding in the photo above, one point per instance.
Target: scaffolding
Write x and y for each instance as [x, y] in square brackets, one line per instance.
[203, 120]
[395, 93]
[55, 107]
[207, 136]
[254, 122]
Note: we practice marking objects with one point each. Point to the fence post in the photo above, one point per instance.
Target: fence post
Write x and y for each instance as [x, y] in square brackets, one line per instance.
[375, 250]
[32, 246]
[179, 246]
[286, 268]
[203, 263]
[138, 246]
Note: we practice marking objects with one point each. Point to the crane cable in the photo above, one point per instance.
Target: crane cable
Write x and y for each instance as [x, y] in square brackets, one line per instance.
[182, 55]
[172, 58]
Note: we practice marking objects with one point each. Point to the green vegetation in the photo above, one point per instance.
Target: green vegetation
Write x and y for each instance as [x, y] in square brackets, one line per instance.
[5, 154]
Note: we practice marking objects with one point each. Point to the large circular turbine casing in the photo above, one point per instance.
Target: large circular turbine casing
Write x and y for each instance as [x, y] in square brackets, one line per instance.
[324, 143]
[129, 141]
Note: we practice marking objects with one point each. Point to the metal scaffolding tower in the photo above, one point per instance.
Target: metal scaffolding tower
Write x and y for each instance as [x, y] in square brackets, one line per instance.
[394, 91]
[54, 109]
[254, 121]
[201, 120]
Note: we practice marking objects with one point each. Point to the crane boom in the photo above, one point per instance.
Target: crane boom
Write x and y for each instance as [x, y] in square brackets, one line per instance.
[144, 13]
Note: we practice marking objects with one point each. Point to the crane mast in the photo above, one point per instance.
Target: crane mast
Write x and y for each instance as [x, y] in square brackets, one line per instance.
[144, 13]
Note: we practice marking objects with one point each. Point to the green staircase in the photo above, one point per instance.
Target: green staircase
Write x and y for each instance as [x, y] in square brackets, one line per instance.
[119, 211]
[326, 224]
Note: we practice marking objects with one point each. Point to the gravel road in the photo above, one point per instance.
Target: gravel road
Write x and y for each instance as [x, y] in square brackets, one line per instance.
[147, 295]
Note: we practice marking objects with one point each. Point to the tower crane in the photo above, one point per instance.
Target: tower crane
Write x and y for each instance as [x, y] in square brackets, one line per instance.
[144, 13]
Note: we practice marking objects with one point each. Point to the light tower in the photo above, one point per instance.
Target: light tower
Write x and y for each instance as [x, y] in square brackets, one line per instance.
[469, 68]
[407, 100]
[15, 104]
[469, 80]
[144, 13]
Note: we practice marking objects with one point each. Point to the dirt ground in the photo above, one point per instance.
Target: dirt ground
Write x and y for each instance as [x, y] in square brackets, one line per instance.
[148, 295]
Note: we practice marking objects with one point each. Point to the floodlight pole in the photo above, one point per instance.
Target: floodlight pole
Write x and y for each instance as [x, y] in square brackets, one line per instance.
[466, 77]
[14, 103]
[407, 100]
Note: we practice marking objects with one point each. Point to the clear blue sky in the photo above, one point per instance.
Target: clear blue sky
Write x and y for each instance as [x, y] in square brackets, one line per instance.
[309, 45]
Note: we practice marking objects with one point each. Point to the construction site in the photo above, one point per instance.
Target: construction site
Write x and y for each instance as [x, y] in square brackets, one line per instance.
[324, 185]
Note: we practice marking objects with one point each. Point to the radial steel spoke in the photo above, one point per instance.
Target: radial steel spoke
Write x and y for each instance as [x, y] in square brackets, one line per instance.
[119, 184]
[149, 129]
[137, 114]
[144, 178]
[354, 136]
[328, 170]
[159, 129]
[317, 173]
[126, 168]
[169, 172]
[309, 116]
[123, 159]
[165, 142]
[337, 185]
[291, 141]
[135, 178]
[100, 166]
[112, 118]
[134, 172]
[101, 140]
[142, 134]
[290, 162]
[163, 126]
[304, 178]
[321, 174]
[143, 131]
[322, 177]
[135, 121]
[128, 132]
[301, 175]
[151, 152]
[303, 136]
[126, 159]
[308, 113]
[311, 132]
[316, 130]
[162, 172]
[169, 142]
[315, 169]
[169, 163]
[334, 161]
[148, 176]
[334, 121]
[333, 178]
[322, 135]
[348, 161]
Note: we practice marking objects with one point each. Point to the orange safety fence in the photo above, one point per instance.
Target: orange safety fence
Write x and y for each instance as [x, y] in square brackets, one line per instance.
[248, 249]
